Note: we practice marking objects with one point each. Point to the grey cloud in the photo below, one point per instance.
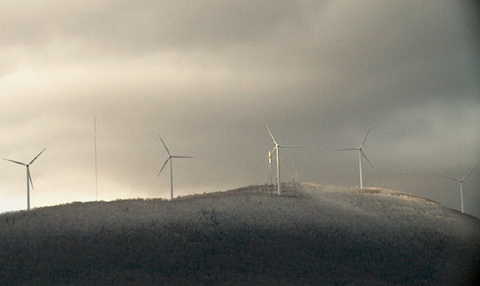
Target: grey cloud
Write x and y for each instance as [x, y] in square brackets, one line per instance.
[208, 76]
[144, 26]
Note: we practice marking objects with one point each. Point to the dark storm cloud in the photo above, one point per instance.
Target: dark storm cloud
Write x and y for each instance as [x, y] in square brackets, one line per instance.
[208, 75]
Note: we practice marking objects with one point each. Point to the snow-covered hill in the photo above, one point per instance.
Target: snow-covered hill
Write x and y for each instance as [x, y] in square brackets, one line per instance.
[312, 235]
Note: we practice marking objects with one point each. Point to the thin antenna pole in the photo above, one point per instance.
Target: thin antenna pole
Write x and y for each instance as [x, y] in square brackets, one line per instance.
[295, 174]
[95, 146]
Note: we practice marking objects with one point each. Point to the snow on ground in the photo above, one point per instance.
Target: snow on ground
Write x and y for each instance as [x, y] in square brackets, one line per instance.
[355, 210]
[389, 208]
[386, 235]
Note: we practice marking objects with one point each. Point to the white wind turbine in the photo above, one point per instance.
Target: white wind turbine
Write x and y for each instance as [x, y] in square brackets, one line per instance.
[461, 185]
[29, 177]
[360, 155]
[276, 151]
[170, 158]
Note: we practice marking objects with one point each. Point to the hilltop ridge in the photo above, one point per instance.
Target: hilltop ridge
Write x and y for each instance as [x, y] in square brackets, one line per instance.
[312, 234]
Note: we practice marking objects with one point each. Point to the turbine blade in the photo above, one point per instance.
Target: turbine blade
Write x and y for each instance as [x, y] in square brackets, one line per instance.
[164, 164]
[365, 139]
[348, 149]
[271, 135]
[285, 146]
[365, 156]
[164, 145]
[29, 179]
[16, 162]
[37, 156]
[450, 178]
[182, 157]
[468, 174]
[273, 151]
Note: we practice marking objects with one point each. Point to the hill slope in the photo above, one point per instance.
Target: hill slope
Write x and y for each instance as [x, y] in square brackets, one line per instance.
[312, 235]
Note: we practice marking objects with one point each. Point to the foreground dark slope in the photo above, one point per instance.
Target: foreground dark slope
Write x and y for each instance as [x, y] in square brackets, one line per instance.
[313, 235]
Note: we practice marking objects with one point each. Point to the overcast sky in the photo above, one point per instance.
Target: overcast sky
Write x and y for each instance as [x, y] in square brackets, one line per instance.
[208, 75]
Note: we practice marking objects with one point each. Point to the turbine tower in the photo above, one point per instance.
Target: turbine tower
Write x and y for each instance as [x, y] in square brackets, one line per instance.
[270, 166]
[461, 185]
[277, 155]
[170, 158]
[360, 155]
[29, 177]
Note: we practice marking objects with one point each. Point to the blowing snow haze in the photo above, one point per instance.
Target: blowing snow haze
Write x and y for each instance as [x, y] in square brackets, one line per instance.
[208, 76]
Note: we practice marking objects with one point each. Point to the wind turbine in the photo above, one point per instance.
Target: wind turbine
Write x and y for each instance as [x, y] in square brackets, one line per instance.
[170, 158]
[29, 177]
[360, 155]
[461, 185]
[277, 155]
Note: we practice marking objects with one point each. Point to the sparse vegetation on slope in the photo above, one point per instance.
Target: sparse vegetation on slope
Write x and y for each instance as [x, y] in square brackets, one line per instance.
[311, 236]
